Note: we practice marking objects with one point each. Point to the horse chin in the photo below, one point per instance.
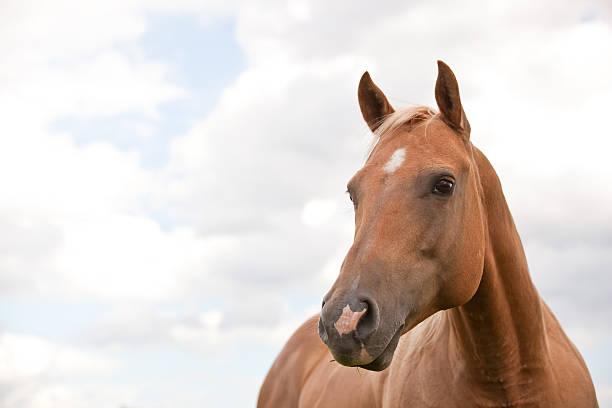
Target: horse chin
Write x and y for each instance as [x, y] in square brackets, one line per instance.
[384, 359]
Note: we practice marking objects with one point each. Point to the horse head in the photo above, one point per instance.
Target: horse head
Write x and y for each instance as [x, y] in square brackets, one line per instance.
[419, 240]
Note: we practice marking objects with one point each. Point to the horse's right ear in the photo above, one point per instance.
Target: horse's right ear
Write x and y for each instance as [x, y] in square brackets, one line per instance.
[373, 102]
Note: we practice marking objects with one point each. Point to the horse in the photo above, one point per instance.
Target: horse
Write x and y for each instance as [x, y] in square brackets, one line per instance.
[434, 305]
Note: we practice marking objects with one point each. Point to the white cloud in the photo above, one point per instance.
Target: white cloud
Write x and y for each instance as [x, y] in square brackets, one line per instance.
[62, 394]
[134, 258]
[260, 320]
[24, 356]
[316, 212]
[35, 372]
[214, 341]
[65, 205]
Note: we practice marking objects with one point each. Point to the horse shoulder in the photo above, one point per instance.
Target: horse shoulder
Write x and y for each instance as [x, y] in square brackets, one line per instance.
[290, 371]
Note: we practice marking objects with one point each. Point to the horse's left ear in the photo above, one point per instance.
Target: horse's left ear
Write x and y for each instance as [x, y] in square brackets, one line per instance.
[448, 100]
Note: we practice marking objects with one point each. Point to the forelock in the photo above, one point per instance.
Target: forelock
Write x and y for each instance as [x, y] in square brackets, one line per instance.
[409, 117]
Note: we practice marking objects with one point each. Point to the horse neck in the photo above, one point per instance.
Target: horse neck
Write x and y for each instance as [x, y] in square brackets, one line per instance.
[500, 331]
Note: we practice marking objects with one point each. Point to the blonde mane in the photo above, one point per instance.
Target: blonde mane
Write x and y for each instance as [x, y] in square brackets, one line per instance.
[410, 116]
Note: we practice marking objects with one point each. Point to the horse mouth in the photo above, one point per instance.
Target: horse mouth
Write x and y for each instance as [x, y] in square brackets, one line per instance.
[386, 356]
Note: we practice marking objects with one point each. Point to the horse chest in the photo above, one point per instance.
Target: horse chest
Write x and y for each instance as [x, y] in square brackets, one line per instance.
[431, 376]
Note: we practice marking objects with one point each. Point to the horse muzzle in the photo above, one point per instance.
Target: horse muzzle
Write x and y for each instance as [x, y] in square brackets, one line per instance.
[346, 325]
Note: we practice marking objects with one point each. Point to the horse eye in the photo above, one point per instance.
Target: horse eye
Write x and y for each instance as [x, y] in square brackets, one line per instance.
[444, 187]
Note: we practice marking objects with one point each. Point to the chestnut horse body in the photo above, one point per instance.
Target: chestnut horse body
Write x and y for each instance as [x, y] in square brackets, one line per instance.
[434, 306]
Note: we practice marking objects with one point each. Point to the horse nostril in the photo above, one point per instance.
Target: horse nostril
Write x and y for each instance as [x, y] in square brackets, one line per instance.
[369, 321]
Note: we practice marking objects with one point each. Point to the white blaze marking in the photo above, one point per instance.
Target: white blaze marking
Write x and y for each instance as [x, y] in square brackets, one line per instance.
[396, 160]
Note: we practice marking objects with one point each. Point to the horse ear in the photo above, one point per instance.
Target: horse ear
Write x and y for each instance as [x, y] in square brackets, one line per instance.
[373, 102]
[448, 100]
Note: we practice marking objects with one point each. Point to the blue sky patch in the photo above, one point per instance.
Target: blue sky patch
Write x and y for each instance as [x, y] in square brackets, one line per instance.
[202, 58]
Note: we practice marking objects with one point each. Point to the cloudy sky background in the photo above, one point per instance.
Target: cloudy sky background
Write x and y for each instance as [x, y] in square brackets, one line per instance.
[172, 177]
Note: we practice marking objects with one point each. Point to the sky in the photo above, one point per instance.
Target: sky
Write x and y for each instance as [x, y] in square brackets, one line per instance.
[173, 177]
